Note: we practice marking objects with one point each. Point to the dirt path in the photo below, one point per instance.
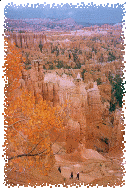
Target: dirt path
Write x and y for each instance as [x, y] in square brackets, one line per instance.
[101, 170]
[93, 171]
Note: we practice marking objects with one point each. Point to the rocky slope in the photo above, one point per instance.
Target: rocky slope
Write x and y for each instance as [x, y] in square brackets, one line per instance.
[92, 139]
[88, 120]
[93, 168]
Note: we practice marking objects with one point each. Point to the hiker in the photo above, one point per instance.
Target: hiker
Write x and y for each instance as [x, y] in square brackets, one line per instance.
[71, 175]
[77, 177]
[59, 169]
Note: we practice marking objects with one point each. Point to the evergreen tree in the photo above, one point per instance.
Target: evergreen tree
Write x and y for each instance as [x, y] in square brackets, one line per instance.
[117, 91]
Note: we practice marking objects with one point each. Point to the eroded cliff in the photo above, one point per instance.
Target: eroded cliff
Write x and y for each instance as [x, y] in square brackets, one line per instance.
[87, 120]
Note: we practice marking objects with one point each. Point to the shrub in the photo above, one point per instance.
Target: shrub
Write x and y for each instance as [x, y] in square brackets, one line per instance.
[98, 81]
[60, 64]
[111, 57]
[117, 91]
[82, 73]
[40, 46]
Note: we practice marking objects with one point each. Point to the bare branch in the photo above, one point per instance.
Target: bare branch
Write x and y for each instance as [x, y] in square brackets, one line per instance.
[19, 133]
[22, 155]
[57, 151]
[29, 154]
[16, 122]
[36, 146]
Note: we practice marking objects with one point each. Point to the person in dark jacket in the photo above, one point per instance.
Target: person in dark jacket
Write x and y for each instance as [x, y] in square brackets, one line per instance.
[59, 169]
[77, 177]
[71, 177]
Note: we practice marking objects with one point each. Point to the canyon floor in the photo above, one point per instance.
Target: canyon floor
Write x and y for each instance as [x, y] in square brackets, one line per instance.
[94, 168]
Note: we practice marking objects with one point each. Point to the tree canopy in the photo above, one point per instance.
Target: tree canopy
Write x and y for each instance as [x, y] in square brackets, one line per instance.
[27, 122]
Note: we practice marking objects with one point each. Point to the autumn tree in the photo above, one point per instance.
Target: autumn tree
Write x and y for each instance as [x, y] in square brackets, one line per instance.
[28, 123]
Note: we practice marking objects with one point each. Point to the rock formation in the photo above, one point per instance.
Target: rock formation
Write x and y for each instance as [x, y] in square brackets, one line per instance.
[87, 119]
[72, 135]
[94, 105]
[117, 130]
[28, 40]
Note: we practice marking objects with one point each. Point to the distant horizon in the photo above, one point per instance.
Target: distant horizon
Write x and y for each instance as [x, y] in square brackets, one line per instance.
[86, 14]
[50, 18]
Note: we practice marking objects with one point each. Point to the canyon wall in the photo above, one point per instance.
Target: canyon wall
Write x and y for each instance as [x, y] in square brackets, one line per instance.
[28, 40]
[87, 119]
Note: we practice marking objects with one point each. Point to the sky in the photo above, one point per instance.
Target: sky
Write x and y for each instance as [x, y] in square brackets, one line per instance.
[91, 14]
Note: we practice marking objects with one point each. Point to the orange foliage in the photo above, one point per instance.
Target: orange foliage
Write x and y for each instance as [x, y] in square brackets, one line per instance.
[29, 122]
[14, 65]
